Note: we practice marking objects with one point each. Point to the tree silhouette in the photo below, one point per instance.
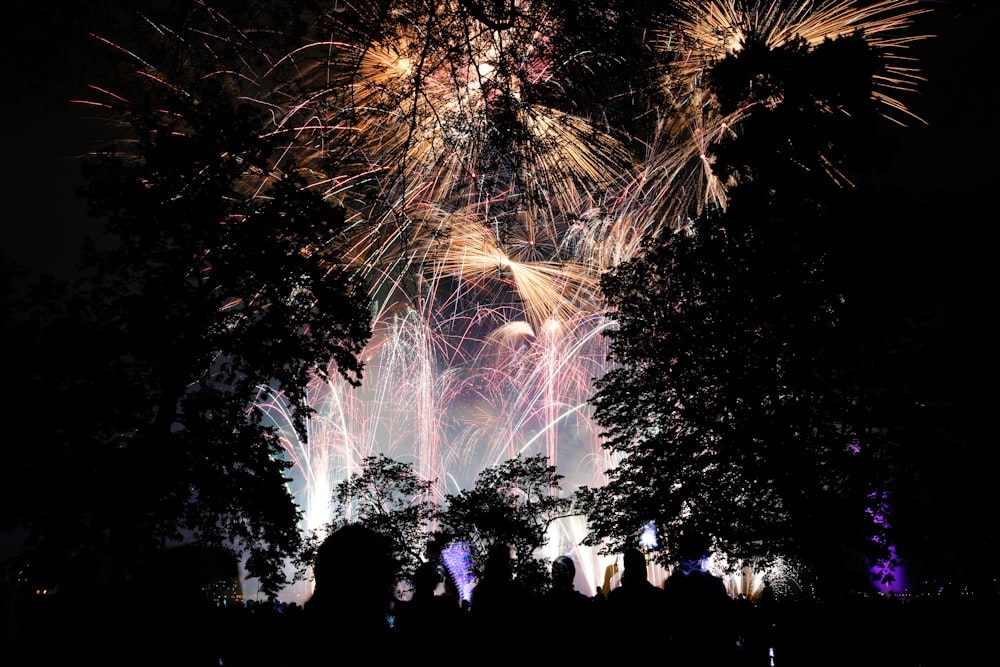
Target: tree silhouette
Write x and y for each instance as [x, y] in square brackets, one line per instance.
[388, 497]
[737, 409]
[201, 295]
[512, 503]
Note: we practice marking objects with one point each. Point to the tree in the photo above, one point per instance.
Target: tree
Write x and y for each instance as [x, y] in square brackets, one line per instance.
[220, 277]
[512, 503]
[388, 497]
[739, 408]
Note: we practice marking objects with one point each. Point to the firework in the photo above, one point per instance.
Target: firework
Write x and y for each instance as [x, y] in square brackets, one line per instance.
[483, 205]
[676, 179]
[702, 33]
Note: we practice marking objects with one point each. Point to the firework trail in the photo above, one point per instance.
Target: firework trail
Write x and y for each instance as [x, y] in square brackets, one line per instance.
[485, 200]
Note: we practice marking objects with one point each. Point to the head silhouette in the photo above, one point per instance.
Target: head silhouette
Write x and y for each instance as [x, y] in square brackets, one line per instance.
[355, 563]
[498, 562]
[563, 573]
[634, 563]
[692, 545]
[426, 579]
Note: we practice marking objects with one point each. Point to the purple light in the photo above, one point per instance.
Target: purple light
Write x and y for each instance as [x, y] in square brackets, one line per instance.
[458, 560]
[898, 581]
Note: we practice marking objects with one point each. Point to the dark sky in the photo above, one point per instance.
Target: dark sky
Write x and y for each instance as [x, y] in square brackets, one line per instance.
[958, 101]
[43, 132]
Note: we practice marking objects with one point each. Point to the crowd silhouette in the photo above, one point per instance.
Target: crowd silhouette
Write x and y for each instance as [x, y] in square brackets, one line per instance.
[355, 613]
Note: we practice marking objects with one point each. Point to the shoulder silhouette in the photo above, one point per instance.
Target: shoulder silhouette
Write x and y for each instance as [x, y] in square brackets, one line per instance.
[498, 600]
[700, 614]
[355, 578]
[635, 609]
[567, 618]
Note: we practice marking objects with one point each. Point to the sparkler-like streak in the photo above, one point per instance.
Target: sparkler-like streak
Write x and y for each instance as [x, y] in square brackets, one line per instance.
[484, 204]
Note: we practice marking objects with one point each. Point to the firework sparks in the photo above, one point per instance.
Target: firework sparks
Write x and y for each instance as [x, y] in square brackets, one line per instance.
[482, 217]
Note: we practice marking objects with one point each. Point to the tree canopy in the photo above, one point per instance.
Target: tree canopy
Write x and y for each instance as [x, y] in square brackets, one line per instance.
[736, 409]
[202, 294]
[388, 497]
[512, 503]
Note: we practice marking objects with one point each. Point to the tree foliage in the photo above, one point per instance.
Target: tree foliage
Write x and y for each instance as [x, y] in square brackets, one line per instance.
[388, 497]
[736, 409]
[512, 503]
[201, 295]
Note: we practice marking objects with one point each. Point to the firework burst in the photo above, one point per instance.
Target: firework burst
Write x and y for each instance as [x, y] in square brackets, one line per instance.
[484, 201]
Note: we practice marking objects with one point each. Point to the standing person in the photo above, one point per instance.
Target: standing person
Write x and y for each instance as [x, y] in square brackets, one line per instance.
[355, 580]
[635, 609]
[567, 615]
[499, 603]
[700, 614]
[429, 622]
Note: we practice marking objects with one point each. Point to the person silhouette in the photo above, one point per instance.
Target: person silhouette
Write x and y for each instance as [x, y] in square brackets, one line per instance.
[700, 615]
[428, 616]
[565, 615]
[354, 583]
[498, 601]
[635, 609]
[563, 588]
